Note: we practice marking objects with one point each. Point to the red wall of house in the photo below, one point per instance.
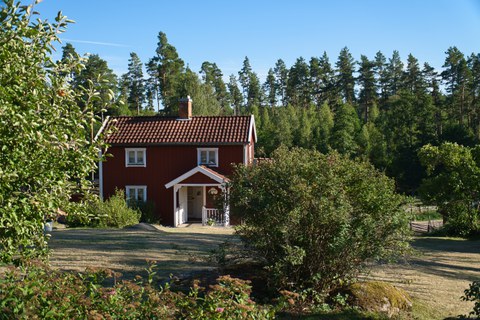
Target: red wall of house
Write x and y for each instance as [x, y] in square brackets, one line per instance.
[164, 163]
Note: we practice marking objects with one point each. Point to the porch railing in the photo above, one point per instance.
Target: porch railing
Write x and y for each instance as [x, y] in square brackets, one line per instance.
[212, 216]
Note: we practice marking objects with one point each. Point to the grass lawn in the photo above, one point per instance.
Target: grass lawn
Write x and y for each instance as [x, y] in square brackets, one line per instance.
[435, 277]
[176, 250]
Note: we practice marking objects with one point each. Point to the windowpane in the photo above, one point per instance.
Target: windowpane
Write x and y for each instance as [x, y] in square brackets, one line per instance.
[131, 194]
[140, 194]
[131, 157]
[203, 157]
[140, 157]
[211, 157]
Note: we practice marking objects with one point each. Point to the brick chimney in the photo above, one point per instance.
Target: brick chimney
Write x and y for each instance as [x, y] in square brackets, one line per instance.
[185, 108]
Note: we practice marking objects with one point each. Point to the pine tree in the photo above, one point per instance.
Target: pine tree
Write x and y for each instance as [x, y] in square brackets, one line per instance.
[298, 84]
[250, 83]
[394, 74]
[456, 76]
[136, 84]
[96, 74]
[213, 76]
[202, 94]
[366, 80]
[474, 92]
[413, 80]
[170, 68]
[236, 98]
[381, 76]
[270, 89]
[345, 79]
[281, 78]
[153, 82]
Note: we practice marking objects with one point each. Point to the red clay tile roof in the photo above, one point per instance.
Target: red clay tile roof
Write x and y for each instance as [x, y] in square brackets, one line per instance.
[169, 130]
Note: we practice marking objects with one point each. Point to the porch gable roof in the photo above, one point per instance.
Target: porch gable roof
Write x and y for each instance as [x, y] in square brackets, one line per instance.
[212, 176]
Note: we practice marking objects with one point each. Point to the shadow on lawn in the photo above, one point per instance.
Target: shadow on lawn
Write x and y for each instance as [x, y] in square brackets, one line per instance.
[127, 251]
[446, 244]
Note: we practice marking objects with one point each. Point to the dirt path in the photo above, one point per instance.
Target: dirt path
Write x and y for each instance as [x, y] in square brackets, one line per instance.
[176, 250]
[437, 275]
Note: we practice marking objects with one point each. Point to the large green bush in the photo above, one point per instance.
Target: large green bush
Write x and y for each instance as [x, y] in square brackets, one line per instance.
[453, 185]
[112, 213]
[316, 219]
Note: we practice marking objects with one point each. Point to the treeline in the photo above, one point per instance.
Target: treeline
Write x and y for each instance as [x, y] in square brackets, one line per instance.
[379, 109]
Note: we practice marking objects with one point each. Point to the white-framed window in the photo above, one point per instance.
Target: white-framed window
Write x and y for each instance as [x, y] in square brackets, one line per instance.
[135, 157]
[208, 157]
[136, 193]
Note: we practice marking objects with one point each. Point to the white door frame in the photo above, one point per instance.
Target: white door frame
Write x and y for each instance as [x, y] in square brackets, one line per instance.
[177, 219]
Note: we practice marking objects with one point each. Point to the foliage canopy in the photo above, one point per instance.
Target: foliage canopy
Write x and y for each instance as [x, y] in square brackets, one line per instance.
[453, 185]
[46, 152]
[316, 219]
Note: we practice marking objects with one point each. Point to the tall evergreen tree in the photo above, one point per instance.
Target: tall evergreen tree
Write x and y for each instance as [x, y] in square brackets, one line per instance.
[456, 76]
[213, 76]
[366, 80]
[281, 78]
[250, 84]
[394, 73]
[345, 79]
[270, 89]
[474, 92]
[170, 68]
[381, 77]
[236, 98]
[413, 80]
[327, 80]
[136, 84]
[202, 94]
[98, 75]
[153, 83]
[298, 84]
[432, 80]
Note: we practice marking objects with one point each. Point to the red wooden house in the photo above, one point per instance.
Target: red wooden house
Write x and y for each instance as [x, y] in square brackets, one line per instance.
[181, 163]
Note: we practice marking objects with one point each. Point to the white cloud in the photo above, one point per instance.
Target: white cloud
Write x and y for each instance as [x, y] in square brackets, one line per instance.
[95, 43]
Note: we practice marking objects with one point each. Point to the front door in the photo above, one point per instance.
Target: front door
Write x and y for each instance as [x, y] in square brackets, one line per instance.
[195, 203]
[183, 204]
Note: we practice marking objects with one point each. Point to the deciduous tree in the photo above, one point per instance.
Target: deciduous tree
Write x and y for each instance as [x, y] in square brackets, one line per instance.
[46, 154]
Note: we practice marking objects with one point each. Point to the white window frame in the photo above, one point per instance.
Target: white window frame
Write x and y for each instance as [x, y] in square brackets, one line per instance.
[136, 188]
[207, 150]
[136, 150]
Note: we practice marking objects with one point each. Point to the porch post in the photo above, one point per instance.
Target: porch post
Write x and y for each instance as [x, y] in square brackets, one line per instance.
[175, 213]
[226, 206]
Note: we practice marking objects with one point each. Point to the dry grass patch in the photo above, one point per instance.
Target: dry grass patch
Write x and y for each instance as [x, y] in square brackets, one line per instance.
[177, 250]
[437, 276]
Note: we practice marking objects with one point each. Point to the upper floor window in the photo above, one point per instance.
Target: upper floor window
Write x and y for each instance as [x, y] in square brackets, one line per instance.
[136, 193]
[135, 157]
[208, 157]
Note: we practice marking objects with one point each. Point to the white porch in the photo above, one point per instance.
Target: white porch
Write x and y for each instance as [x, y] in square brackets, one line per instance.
[203, 198]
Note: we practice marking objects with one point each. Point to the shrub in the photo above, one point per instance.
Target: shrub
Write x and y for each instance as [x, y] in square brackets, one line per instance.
[453, 185]
[473, 294]
[315, 219]
[113, 212]
[39, 292]
[147, 210]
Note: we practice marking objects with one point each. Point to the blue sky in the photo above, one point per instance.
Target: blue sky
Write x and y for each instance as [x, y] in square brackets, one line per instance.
[225, 31]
